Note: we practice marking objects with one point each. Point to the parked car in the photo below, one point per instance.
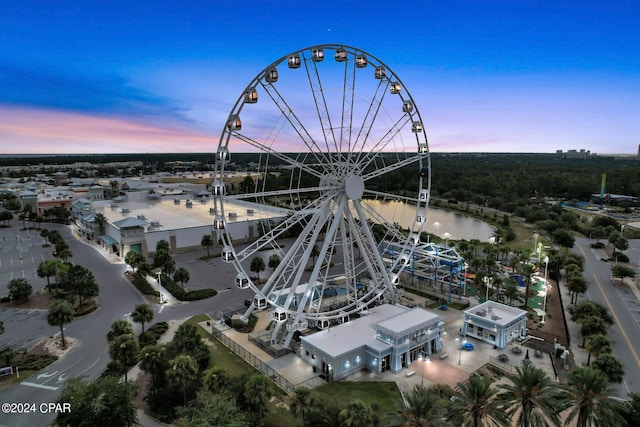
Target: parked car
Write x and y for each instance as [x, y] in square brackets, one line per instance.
[467, 346]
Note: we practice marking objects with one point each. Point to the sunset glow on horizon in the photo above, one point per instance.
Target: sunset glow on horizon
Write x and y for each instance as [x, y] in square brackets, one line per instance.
[496, 76]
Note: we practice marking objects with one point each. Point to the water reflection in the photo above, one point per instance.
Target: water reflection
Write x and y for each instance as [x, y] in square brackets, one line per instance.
[438, 222]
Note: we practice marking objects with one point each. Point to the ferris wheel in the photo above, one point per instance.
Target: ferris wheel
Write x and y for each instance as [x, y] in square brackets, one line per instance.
[331, 129]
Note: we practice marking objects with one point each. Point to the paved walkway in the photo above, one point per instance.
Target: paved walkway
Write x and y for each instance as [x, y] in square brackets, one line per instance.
[144, 419]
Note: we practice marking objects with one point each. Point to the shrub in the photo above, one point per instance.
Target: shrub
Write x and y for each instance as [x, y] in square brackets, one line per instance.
[35, 362]
[86, 308]
[152, 334]
[240, 326]
[140, 282]
[621, 257]
[114, 369]
[179, 293]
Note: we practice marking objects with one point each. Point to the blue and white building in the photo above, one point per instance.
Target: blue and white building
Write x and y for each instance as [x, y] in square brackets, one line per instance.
[389, 337]
[495, 323]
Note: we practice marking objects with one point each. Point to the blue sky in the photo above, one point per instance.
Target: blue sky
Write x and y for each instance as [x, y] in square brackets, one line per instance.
[162, 76]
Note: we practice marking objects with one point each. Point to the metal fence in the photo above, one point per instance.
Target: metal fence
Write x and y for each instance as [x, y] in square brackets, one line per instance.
[267, 370]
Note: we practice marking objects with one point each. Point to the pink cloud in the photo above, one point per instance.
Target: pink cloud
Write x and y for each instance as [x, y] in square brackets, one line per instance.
[30, 130]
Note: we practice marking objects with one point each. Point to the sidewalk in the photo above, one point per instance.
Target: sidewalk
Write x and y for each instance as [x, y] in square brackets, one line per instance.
[579, 354]
[144, 419]
[165, 295]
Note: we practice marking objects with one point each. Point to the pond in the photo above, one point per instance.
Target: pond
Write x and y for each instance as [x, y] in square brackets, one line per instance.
[439, 222]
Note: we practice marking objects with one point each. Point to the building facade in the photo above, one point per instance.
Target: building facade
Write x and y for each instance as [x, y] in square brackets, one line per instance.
[389, 337]
[495, 323]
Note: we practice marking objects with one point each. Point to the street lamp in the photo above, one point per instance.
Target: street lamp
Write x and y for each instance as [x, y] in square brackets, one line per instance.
[544, 304]
[424, 359]
[460, 349]
[485, 279]
[464, 283]
[446, 238]
[160, 287]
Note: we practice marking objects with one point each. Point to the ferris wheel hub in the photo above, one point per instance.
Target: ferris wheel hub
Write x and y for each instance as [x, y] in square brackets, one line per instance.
[354, 187]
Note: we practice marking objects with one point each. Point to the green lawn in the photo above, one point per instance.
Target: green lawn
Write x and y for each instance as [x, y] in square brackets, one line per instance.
[383, 395]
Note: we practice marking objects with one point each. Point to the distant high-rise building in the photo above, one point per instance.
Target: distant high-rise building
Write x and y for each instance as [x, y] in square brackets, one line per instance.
[573, 154]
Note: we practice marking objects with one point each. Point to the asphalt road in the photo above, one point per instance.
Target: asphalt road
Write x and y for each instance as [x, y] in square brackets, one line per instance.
[622, 303]
[117, 299]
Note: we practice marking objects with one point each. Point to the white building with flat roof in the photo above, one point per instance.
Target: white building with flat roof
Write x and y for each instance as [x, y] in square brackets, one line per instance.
[495, 323]
[389, 337]
[181, 222]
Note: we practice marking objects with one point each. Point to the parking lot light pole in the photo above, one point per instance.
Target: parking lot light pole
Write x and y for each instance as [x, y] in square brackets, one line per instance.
[544, 303]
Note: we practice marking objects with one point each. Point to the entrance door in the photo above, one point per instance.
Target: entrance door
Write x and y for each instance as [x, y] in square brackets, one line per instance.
[386, 361]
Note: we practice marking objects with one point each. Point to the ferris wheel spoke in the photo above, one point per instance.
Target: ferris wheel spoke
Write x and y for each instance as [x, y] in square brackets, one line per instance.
[392, 167]
[291, 191]
[323, 253]
[370, 117]
[369, 245]
[291, 161]
[286, 276]
[385, 141]
[296, 124]
[391, 229]
[322, 219]
[388, 196]
[320, 103]
[266, 241]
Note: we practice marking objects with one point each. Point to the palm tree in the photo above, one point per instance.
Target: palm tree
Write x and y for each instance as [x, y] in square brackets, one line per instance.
[101, 220]
[60, 313]
[125, 350]
[301, 403]
[64, 254]
[182, 372]
[163, 245]
[181, 275]
[257, 395]
[119, 327]
[274, 261]
[422, 409]
[532, 399]
[527, 271]
[207, 242]
[134, 259]
[589, 399]
[218, 381]
[592, 325]
[576, 285]
[610, 366]
[511, 292]
[596, 345]
[257, 265]
[356, 413]
[497, 236]
[142, 313]
[153, 360]
[315, 251]
[474, 404]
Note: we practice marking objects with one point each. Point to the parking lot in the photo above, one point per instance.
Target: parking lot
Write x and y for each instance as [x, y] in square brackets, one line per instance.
[21, 251]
